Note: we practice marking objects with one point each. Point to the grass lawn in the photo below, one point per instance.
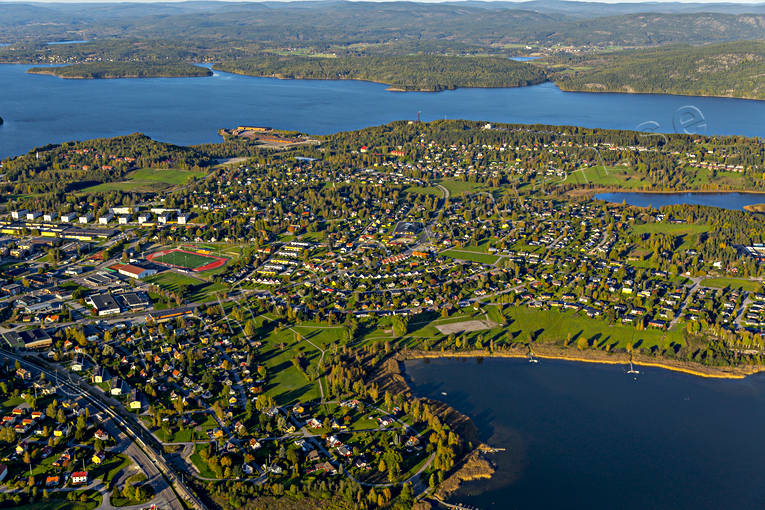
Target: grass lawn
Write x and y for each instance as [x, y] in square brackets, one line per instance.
[457, 187]
[171, 281]
[185, 259]
[199, 462]
[176, 435]
[464, 254]
[676, 229]
[200, 290]
[610, 176]
[12, 402]
[146, 180]
[424, 190]
[733, 283]
[556, 326]
[551, 326]
[285, 383]
[111, 467]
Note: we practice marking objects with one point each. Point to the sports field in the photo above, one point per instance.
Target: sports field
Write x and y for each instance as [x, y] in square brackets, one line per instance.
[186, 259]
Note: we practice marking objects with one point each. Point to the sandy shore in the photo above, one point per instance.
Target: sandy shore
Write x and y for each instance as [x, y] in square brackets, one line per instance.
[546, 352]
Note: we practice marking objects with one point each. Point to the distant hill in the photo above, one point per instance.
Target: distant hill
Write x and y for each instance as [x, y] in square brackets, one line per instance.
[732, 69]
[547, 22]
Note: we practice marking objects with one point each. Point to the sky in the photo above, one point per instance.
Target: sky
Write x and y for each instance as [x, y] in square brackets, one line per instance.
[754, 2]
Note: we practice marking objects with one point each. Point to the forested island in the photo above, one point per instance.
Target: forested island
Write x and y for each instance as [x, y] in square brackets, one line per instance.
[111, 70]
[727, 70]
[422, 73]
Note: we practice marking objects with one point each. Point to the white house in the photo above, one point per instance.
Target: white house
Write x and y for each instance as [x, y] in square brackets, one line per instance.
[17, 215]
[122, 210]
[123, 220]
[68, 217]
[86, 218]
[105, 219]
[33, 215]
[50, 216]
[144, 217]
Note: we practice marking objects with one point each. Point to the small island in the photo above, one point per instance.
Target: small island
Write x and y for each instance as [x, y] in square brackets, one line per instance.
[113, 70]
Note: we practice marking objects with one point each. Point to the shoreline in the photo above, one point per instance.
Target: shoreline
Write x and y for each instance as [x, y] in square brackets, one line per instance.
[394, 88]
[390, 87]
[109, 77]
[593, 191]
[476, 466]
[635, 92]
[684, 367]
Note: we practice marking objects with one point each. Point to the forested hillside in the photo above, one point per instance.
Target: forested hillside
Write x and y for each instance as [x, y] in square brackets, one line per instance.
[730, 69]
[381, 23]
[429, 73]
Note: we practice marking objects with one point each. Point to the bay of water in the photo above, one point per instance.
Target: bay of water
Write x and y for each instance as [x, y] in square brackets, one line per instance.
[733, 201]
[586, 436]
[44, 109]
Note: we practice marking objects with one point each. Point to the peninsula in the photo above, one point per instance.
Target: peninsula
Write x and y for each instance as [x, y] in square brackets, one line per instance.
[113, 70]
[245, 306]
[427, 73]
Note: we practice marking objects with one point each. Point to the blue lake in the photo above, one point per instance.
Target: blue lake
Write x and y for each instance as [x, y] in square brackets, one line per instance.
[55, 43]
[44, 109]
[587, 436]
[734, 201]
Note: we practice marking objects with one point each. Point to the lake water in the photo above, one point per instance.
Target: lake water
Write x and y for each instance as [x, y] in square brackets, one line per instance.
[586, 436]
[733, 201]
[45, 109]
[55, 43]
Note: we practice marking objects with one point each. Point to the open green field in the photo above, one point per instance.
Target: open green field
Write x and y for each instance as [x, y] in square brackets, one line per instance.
[184, 259]
[424, 190]
[199, 290]
[546, 326]
[457, 187]
[555, 326]
[147, 180]
[286, 384]
[474, 256]
[621, 177]
[171, 281]
[676, 229]
[733, 283]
